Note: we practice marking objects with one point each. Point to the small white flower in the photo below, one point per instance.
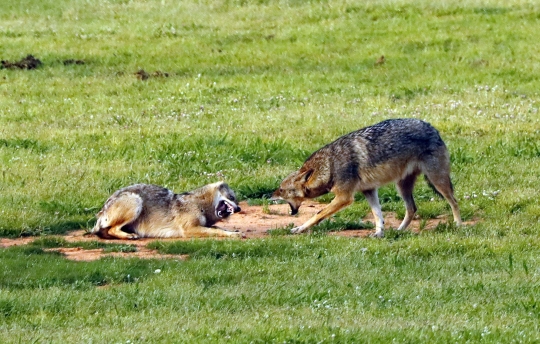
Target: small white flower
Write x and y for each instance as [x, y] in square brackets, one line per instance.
[157, 271]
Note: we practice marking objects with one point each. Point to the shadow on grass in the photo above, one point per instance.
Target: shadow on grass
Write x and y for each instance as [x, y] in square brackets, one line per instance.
[60, 227]
[55, 241]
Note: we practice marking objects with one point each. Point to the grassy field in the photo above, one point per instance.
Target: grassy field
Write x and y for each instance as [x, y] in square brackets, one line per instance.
[244, 91]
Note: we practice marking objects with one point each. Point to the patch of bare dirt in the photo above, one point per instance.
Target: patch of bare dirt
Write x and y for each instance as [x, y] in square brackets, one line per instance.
[29, 62]
[253, 221]
[4, 242]
[80, 254]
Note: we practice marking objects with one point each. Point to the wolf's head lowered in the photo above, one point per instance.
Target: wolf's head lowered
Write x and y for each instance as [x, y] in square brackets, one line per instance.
[294, 189]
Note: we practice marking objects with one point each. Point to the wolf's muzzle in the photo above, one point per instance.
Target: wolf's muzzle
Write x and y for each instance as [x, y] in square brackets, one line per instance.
[224, 208]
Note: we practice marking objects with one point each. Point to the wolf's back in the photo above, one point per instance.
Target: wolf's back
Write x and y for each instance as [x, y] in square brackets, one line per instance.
[389, 139]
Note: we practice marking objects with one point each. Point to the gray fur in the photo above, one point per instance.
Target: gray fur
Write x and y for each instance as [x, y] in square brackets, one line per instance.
[395, 150]
[144, 210]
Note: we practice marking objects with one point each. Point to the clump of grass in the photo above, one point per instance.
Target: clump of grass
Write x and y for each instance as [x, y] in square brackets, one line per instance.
[281, 231]
[339, 224]
[423, 223]
[266, 207]
[393, 234]
[447, 227]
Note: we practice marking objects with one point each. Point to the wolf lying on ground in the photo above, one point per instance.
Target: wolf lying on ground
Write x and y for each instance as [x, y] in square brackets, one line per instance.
[395, 150]
[144, 210]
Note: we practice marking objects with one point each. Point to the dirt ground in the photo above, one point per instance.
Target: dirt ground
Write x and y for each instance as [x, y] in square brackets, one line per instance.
[252, 221]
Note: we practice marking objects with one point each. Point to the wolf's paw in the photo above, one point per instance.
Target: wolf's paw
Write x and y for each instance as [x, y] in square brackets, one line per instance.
[235, 234]
[297, 230]
[377, 234]
[132, 236]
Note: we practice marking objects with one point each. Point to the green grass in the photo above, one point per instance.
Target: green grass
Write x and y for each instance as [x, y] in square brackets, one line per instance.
[252, 89]
[307, 288]
[29, 267]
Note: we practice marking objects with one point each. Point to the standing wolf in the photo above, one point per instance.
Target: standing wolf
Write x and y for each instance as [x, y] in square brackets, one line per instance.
[395, 150]
[144, 210]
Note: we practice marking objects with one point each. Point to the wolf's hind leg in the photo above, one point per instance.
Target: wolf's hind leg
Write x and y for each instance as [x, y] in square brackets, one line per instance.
[122, 211]
[405, 188]
[118, 233]
[438, 175]
[444, 186]
[373, 199]
[201, 232]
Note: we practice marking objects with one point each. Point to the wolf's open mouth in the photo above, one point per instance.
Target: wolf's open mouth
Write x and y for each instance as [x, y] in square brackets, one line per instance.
[224, 209]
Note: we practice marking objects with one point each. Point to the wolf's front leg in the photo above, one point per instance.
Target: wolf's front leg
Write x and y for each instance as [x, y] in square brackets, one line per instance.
[202, 232]
[116, 232]
[339, 202]
[298, 230]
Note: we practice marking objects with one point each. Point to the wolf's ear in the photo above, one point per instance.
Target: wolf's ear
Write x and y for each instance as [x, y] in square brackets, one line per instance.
[222, 186]
[304, 176]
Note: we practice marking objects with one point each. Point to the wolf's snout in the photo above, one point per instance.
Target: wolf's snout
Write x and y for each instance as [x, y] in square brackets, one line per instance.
[276, 195]
[226, 208]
